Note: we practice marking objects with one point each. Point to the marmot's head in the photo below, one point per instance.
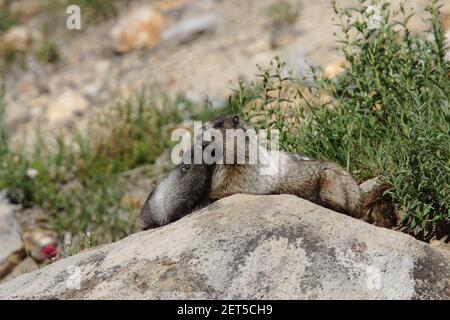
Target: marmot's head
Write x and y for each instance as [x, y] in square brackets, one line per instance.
[228, 122]
[223, 123]
[226, 134]
[186, 187]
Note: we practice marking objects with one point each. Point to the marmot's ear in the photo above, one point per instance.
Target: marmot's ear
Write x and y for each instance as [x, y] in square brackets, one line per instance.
[235, 119]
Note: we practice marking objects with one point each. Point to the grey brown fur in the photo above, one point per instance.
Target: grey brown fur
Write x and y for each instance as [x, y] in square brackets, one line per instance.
[318, 181]
[182, 191]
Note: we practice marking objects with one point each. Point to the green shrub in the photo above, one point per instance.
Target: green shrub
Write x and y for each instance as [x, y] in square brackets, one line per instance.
[47, 50]
[81, 183]
[6, 20]
[387, 115]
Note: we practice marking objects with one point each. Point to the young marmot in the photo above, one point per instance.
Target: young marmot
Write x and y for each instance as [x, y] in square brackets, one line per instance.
[185, 189]
[275, 172]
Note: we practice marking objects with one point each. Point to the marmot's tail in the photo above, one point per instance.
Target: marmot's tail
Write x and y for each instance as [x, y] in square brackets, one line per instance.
[375, 207]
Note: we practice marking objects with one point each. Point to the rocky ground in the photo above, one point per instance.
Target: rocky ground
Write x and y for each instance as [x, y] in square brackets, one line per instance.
[196, 47]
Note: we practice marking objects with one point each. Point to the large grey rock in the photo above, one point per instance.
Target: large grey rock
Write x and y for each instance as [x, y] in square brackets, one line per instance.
[247, 246]
[25, 266]
[11, 248]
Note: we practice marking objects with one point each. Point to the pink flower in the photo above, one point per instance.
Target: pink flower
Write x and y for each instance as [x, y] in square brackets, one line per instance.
[49, 251]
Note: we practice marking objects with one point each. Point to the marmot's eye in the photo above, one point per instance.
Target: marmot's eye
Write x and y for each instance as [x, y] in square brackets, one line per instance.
[184, 168]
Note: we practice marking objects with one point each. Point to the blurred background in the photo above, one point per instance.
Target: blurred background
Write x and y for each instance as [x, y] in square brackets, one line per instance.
[86, 114]
[199, 48]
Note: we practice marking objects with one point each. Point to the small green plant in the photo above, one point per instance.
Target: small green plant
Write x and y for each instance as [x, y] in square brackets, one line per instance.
[82, 183]
[6, 20]
[283, 12]
[387, 115]
[7, 54]
[84, 241]
[47, 50]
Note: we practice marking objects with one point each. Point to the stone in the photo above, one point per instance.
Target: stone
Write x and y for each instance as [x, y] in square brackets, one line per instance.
[17, 38]
[17, 114]
[25, 9]
[25, 266]
[441, 243]
[11, 248]
[445, 20]
[283, 36]
[249, 247]
[139, 28]
[334, 69]
[188, 29]
[66, 106]
[171, 5]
